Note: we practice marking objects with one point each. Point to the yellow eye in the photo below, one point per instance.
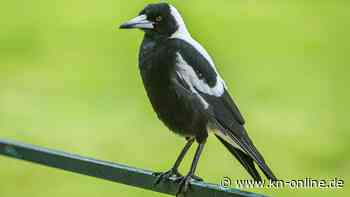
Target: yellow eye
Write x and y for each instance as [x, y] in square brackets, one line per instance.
[159, 18]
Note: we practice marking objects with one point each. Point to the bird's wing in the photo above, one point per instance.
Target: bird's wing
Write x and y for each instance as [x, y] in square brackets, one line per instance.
[196, 73]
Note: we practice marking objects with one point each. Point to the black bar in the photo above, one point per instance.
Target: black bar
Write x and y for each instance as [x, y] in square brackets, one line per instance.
[111, 171]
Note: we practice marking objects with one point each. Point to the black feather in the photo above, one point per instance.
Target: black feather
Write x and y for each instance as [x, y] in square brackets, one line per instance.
[244, 159]
[230, 122]
[247, 145]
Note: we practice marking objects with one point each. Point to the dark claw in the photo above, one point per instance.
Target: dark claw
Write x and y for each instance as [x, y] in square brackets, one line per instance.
[184, 185]
[166, 175]
[197, 178]
[178, 179]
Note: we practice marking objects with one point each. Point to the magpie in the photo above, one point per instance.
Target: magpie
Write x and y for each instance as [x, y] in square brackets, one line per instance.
[188, 94]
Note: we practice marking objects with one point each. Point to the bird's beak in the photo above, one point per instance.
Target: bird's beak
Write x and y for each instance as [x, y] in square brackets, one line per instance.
[140, 22]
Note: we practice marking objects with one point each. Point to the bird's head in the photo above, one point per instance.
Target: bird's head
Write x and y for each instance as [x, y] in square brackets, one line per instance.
[159, 19]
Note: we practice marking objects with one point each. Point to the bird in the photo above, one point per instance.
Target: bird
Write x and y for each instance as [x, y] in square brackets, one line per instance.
[188, 94]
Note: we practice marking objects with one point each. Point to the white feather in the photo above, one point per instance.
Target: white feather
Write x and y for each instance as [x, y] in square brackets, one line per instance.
[187, 73]
[183, 34]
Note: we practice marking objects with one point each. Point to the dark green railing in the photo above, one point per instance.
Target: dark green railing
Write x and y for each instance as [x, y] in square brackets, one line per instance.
[111, 171]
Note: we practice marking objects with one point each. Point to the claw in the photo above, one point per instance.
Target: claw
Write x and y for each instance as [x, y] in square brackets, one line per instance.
[178, 179]
[166, 175]
[184, 185]
[197, 178]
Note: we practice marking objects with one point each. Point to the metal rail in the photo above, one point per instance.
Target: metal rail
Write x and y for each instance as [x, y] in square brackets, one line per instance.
[111, 171]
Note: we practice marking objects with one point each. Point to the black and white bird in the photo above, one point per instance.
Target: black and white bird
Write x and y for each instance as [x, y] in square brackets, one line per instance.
[187, 92]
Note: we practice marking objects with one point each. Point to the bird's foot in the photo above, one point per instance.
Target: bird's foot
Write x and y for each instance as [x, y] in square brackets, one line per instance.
[184, 183]
[197, 178]
[166, 175]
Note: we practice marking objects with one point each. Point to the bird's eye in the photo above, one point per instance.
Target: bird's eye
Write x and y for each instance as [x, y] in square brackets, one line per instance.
[159, 18]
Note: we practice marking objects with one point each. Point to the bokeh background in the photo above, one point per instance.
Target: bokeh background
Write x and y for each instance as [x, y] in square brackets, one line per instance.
[69, 81]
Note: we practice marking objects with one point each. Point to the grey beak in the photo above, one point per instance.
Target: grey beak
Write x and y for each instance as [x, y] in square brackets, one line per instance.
[140, 22]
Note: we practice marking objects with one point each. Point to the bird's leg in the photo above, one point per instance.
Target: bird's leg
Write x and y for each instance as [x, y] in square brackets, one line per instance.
[174, 170]
[183, 187]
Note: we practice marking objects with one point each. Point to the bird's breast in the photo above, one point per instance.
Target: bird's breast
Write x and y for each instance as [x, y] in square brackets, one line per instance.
[157, 67]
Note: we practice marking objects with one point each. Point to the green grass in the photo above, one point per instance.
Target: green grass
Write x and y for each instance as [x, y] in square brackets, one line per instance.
[69, 80]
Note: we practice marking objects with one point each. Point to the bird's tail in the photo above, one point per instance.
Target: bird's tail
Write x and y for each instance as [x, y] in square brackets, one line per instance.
[248, 162]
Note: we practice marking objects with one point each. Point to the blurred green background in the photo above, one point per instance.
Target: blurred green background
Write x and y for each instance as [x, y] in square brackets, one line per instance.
[69, 81]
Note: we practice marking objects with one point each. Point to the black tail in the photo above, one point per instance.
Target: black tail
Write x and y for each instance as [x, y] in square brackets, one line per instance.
[248, 162]
[244, 159]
